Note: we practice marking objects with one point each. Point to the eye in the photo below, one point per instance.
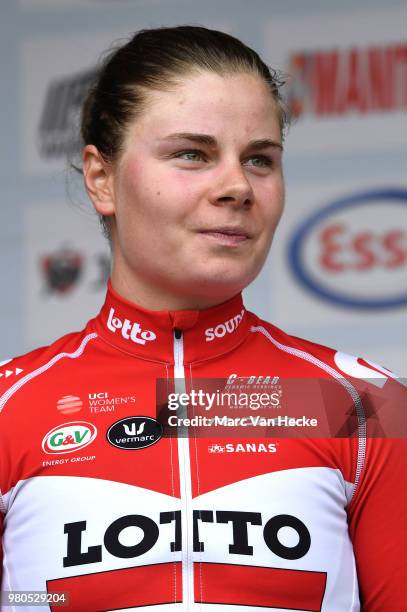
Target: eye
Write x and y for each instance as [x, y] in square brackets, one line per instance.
[260, 161]
[193, 155]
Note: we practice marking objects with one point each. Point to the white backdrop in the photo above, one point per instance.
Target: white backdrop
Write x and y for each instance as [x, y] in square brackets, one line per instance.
[337, 273]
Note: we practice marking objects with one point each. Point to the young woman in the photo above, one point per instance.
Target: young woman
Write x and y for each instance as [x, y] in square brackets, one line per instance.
[183, 137]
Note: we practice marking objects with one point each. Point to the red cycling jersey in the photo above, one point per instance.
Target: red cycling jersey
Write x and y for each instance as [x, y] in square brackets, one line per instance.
[97, 503]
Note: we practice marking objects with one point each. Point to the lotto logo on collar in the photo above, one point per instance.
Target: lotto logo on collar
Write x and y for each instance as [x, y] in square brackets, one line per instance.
[130, 331]
[68, 437]
[228, 327]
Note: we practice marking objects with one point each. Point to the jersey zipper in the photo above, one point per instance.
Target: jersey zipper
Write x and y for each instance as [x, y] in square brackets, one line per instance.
[185, 480]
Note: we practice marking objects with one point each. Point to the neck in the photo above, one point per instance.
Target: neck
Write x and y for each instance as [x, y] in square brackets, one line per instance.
[157, 297]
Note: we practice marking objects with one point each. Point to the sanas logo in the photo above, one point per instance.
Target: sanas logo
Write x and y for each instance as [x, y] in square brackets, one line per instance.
[247, 447]
[68, 437]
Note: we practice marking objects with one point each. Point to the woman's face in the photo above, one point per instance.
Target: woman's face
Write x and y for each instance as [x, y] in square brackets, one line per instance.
[197, 192]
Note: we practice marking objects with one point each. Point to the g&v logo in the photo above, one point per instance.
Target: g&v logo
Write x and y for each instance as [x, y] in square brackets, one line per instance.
[353, 253]
[68, 437]
[129, 330]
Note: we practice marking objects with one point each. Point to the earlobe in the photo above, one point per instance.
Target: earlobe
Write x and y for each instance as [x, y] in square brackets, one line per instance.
[98, 181]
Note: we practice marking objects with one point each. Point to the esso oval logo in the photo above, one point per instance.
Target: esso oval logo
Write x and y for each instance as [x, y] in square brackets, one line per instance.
[68, 437]
[353, 252]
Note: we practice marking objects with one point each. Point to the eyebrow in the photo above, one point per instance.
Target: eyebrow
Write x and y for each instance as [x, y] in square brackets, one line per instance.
[210, 141]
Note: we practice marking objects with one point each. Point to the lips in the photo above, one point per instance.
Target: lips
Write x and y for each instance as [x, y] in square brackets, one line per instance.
[229, 231]
[226, 236]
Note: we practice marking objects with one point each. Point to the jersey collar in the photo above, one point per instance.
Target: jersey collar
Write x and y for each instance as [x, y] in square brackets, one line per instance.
[150, 334]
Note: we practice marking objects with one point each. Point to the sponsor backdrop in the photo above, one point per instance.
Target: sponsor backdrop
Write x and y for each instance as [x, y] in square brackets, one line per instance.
[337, 272]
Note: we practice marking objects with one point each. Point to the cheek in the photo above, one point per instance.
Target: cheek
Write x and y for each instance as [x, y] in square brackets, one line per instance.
[273, 203]
[182, 186]
[153, 204]
[281, 199]
[138, 195]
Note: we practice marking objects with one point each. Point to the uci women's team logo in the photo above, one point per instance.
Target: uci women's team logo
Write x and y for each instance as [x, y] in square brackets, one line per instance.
[68, 438]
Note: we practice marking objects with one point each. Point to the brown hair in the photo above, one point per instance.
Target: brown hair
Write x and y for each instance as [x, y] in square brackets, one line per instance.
[156, 59]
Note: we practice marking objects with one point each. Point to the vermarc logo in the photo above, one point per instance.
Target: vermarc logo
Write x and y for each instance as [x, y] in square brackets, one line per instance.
[130, 331]
[134, 433]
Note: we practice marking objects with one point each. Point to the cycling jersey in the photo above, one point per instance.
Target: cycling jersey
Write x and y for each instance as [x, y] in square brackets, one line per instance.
[99, 503]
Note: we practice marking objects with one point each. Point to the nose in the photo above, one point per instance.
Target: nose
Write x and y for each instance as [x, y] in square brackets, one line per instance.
[232, 186]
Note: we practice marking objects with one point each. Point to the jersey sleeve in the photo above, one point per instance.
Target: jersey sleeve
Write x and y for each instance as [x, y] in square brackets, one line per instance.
[1, 543]
[378, 510]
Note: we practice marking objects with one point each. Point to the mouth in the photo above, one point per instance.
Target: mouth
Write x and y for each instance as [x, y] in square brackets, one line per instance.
[227, 235]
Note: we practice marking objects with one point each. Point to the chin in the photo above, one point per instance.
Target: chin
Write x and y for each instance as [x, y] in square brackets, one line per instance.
[220, 285]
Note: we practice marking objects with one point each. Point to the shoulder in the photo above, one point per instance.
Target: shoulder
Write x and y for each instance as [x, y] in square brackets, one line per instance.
[378, 395]
[293, 346]
[344, 363]
[20, 371]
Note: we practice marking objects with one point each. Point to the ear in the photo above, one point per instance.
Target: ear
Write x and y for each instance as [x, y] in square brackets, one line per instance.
[98, 179]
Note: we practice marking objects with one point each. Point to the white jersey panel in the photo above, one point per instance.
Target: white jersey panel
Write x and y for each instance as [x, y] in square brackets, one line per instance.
[56, 501]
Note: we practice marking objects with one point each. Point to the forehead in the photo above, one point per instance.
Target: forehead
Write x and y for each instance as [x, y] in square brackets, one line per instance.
[234, 106]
